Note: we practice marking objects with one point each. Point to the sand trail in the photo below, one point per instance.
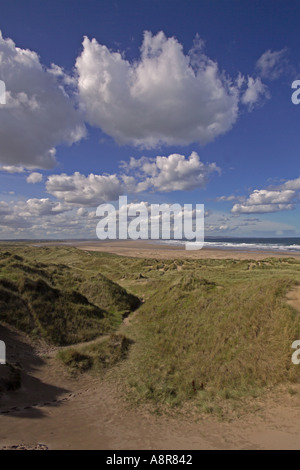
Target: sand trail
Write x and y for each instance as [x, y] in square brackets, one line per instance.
[53, 410]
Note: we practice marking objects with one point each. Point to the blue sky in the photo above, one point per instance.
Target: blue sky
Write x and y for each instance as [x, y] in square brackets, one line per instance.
[164, 100]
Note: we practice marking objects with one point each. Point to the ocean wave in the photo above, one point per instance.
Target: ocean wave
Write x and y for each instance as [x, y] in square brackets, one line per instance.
[239, 245]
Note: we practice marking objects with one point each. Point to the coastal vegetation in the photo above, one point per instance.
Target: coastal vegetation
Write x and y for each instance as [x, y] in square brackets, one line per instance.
[172, 332]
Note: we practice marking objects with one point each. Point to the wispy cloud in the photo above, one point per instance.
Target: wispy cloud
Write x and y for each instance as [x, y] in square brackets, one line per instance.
[12, 169]
[272, 64]
[255, 93]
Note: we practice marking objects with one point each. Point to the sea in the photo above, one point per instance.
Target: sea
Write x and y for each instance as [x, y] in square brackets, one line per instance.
[247, 244]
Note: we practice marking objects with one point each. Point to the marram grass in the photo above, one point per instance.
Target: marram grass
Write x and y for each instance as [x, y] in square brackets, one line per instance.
[207, 331]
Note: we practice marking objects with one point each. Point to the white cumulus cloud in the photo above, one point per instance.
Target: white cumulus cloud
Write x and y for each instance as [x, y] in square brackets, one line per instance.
[263, 200]
[79, 189]
[292, 184]
[165, 97]
[35, 207]
[260, 208]
[38, 114]
[34, 177]
[159, 174]
[165, 174]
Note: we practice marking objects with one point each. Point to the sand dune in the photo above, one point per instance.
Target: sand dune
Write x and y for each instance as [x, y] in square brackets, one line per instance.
[52, 410]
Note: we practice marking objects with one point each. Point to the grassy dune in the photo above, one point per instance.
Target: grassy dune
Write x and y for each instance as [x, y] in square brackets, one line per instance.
[54, 301]
[214, 330]
[209, 342]
[99, 356]
[208, 331]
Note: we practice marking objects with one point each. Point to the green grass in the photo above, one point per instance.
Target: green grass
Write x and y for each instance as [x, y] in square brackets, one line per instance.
[97, 357]
[50, 300]
[210, 343]
[209, 332]
[217, 331]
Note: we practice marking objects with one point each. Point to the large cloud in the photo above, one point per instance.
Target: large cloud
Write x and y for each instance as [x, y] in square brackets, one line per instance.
[35, 207]
[165, 174]
[38, 114]
[159, 174]
[263, 201]
[274, 199]
[292, 184]
[166, 97]
[40, 218]
[89, 190]
[22, 214]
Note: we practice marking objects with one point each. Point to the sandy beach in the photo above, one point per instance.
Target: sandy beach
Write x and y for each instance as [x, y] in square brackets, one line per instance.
[150, 249]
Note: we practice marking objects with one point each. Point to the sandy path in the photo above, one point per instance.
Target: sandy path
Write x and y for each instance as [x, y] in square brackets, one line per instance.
[97, 419]
[55, 410]
[59, 412]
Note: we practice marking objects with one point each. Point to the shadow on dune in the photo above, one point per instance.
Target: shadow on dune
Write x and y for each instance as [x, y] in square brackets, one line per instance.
[22, 392]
